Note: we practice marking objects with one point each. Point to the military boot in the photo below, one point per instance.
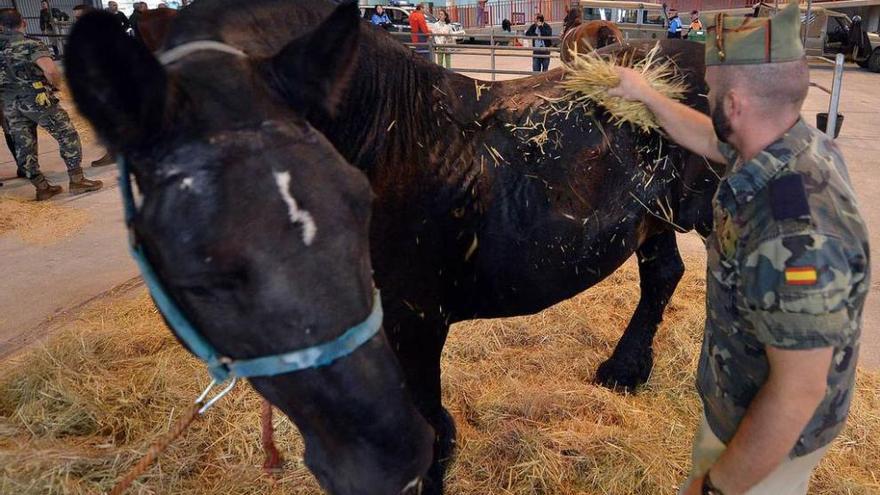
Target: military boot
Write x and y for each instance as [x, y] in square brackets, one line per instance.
[44, 189]
[107, 159]
[79, 184]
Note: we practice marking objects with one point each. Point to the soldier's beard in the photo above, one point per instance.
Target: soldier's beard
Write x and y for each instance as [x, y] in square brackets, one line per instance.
[721, 123]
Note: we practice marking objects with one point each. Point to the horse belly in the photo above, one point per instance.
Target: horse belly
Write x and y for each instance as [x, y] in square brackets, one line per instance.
[558, 258]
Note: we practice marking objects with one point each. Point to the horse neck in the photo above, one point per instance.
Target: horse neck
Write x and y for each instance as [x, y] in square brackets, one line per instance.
[397, 111]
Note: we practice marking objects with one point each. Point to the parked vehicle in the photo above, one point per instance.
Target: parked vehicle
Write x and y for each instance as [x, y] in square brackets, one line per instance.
[399, 17]
[637, 20]
[828, 33]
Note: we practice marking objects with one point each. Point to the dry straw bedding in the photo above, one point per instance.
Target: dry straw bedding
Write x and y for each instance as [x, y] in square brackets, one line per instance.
[78, 411]
[589, 76]
[44, 222]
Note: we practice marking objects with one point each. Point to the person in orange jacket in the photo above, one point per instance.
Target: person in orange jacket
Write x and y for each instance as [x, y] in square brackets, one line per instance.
[419, 29]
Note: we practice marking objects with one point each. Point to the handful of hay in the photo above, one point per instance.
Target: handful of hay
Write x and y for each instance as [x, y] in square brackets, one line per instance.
[590, 76]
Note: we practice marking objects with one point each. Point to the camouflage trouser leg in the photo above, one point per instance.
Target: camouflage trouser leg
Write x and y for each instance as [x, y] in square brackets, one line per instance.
[9, 142]
[23, 114]
[23, 132]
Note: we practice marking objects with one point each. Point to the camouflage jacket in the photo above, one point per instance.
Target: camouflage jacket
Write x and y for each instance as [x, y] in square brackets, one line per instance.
[18, 69]
[787, 267]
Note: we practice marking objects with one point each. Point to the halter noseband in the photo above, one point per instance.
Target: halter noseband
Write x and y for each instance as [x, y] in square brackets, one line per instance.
[221, 367]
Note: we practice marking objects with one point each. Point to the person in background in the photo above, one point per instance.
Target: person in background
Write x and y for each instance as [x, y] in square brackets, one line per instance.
[139, 9]
[540, 28]
[507, 27]
[113, 8]
[49, 19]
[481, 12]
[81, 10]
[419, 31]
[673, 31]
[696, 25]
[162, 5]
[380, 18]
[573, 19]
[788, 267]
[25, 88]
[444, 28]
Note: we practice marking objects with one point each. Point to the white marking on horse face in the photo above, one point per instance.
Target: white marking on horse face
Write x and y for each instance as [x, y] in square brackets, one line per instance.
[297, 215]
[186, 183]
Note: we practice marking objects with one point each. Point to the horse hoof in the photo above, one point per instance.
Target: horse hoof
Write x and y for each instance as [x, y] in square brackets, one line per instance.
[625, 373]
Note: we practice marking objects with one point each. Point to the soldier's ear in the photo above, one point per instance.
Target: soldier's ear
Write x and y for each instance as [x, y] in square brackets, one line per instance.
[117, 84]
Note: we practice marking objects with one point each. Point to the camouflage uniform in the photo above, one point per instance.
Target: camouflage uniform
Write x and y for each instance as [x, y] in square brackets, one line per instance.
[787, 267]
[27, 102]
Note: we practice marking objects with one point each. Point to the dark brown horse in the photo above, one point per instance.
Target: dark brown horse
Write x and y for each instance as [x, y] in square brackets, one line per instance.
[584, 38]
[259, 231]
[491, 200]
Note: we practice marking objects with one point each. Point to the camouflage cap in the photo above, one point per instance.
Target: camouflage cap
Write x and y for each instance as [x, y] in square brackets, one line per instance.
[754, 40]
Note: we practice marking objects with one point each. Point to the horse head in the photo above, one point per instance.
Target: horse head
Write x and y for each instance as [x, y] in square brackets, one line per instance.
[258, 229]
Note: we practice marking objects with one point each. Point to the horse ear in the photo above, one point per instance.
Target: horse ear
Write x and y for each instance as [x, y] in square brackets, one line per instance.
[313, 71]
[117, 84]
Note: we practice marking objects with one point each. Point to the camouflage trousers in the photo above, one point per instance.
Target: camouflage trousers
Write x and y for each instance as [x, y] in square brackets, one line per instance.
[23, 115]
[792, 477]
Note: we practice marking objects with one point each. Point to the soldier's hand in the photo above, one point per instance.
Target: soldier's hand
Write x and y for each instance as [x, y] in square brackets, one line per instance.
[632, 85]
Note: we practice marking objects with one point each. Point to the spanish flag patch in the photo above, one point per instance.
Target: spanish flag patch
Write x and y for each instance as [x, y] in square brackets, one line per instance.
[801, 275]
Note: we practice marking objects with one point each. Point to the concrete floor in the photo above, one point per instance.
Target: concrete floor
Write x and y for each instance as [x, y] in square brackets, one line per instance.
[41, 284]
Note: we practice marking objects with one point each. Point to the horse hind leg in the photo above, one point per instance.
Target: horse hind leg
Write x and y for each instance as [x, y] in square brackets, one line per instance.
[660, 269]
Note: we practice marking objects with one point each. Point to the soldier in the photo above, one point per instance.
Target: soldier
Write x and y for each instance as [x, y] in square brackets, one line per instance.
[788, 267]
[27, 76]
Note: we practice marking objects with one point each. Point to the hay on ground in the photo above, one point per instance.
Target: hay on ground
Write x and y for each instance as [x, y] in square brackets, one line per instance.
[589, 76]
[40, 222]
[77, 412]
[82, 126]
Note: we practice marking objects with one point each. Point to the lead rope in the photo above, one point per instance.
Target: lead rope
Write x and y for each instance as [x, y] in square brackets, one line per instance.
[156, 449]
[202, 404]
[273, 462]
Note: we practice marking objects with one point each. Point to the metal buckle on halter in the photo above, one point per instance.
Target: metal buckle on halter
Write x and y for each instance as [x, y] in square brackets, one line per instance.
[213, 400]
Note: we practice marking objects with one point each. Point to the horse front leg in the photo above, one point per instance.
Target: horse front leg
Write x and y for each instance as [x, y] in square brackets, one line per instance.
[660, 269]
[418, 343]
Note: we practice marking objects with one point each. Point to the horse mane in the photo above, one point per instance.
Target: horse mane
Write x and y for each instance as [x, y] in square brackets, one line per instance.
[389, 81]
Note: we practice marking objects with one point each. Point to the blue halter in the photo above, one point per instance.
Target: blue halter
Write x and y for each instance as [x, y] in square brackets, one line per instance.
[221, 367]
